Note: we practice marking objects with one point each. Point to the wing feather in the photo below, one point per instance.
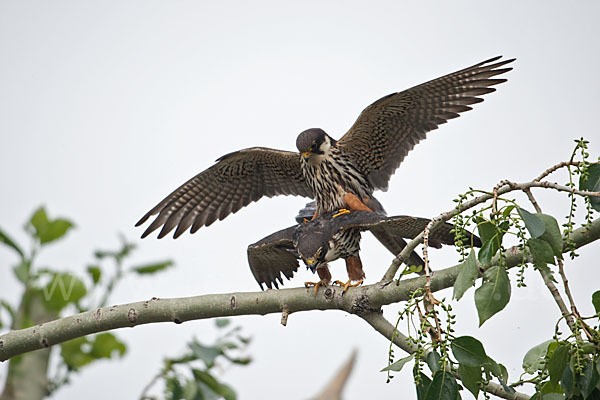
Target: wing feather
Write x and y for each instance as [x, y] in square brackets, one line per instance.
[236, 180]
[389, 128]
[272, 256]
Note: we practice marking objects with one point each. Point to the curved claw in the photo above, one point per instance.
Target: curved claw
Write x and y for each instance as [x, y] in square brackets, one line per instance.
[316, 285]
[342, 211]
[347, 284]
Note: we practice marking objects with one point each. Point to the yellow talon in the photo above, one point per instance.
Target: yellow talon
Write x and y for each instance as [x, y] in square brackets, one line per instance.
[341, 212]
[348, 284]
[306, 220]
[315, 284]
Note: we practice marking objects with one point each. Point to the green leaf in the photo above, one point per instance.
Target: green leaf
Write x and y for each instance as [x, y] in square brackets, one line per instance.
[106, 344]
[469, 351]
[192, 390]
[496, 369]
[205, 353]
[552, 234]
[535, 358]
[592, 184]
[596, 301]
[469, 271]
[486, 253]
[558, 362]
[45, 230]
[541, 251]
[62, 290]
[55, 230]
[503, 375]
[471, 378]
[493, 294]
[95, 273]
[39, 221]
[222, 322]
[4, 238]
[240, 361]
[491, 237]
[507, 211]
[567, 382]
[487, 230]
[173, 388]
[552, 392]
[397, 365]
[214, 385]
[433, 361]
[152, 268]
[443, 387]
[21, 271]
[422, 385]
[79, 352]
[534, 225]
[73, 354]
[587, 381]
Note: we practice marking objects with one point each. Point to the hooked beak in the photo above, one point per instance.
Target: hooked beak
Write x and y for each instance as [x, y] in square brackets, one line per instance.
[306, 155]
[312, 264]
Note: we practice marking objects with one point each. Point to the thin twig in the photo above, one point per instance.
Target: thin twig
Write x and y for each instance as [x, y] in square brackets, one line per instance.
[144, 395]
[554, 168]
[285, 313]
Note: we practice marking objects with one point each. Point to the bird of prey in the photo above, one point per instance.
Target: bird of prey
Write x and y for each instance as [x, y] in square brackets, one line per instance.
[335, 173]
[329, 237]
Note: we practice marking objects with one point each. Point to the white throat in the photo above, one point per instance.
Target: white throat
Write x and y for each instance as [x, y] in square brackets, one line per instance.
[316, 159]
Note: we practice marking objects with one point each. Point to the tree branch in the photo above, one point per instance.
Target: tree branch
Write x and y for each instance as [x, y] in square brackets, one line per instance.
[359, 300]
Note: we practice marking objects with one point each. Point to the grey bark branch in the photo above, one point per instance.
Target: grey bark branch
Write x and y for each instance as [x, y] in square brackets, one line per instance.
[359, 300]
[383, 326]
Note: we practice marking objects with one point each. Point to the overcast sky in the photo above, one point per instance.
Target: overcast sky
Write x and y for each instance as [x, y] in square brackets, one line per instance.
[106, 107]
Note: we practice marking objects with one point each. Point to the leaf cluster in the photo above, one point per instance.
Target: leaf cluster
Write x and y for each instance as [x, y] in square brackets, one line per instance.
[193, 376]
[57, 291]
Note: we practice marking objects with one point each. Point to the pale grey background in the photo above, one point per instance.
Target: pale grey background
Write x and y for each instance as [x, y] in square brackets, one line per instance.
[105, 107]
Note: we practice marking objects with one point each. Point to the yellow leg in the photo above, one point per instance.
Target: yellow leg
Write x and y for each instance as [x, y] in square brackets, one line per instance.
[348, 284]
[342, 211]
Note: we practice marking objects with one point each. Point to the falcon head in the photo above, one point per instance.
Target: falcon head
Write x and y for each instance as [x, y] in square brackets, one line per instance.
[312, 246]
[314, 144]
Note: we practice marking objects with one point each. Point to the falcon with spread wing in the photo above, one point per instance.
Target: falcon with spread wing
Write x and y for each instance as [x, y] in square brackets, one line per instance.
[337, 235]
[336, 173]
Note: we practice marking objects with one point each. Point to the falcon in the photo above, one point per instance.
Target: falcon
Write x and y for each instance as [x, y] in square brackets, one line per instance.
[335, 173]
[332, 236]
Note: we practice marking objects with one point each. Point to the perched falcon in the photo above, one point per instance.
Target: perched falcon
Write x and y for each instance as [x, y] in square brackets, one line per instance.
[336, 173]
[332, 236]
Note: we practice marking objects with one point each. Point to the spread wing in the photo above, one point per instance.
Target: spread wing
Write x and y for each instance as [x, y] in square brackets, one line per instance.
[410, 227]
[388, 129]
[272, 256]
[236, 180]
[399, 226]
